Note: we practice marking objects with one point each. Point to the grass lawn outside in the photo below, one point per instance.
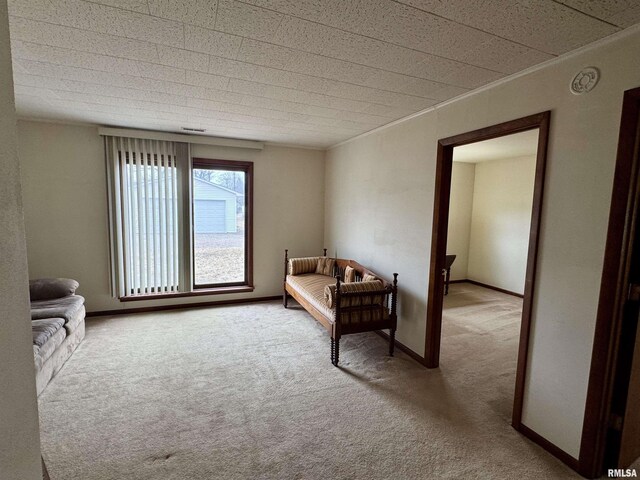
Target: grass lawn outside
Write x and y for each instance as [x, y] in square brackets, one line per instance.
[219, 257]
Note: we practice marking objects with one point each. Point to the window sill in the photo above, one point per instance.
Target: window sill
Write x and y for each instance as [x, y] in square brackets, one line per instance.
[197, 293]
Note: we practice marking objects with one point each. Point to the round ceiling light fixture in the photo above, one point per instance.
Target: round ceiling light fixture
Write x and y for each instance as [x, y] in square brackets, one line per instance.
[585, 80]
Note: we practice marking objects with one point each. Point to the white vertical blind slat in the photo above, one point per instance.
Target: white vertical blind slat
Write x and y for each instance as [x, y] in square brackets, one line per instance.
[118, 214]
[155, 206]
[163, 215]
[147, 215]
[169, 190]
[121, 216]
[135, 229]
[142, 224]
[175, 221]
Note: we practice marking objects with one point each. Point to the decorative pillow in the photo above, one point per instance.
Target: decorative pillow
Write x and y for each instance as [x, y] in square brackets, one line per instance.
[50, 288]
[349, 274]
[330, 295]
[369, 278]
[325, 266]
[298, 266]
[373, 286]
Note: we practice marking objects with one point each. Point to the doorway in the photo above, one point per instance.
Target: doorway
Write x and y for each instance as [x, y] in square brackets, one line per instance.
[437, 274]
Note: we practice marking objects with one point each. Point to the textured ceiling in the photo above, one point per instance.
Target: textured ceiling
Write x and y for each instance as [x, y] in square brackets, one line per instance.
[511, 146]
[305, 72]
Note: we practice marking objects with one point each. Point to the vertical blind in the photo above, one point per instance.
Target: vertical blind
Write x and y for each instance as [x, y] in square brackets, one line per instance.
[143, 180]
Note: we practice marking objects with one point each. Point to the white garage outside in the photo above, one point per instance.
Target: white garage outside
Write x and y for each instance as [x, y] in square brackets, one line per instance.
[214, 208]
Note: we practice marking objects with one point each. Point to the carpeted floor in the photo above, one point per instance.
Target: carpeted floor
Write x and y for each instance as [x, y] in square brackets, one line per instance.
[248, 392]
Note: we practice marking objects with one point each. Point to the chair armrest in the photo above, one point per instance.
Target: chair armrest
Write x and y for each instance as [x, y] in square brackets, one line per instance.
[50, 288]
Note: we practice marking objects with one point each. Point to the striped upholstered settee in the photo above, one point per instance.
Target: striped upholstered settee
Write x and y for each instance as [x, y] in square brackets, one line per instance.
[342, 295]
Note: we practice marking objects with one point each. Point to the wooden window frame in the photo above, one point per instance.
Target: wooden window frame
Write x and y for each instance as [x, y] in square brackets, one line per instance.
[229, 287]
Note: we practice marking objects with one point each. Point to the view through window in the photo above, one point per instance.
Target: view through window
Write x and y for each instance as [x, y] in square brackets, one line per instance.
[219, 225]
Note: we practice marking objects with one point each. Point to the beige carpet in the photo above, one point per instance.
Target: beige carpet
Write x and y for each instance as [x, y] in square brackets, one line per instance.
[248, 392]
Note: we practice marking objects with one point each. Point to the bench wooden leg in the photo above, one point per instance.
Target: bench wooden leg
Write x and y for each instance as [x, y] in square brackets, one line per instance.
[392, 341]
[335, 351]
[285, 299]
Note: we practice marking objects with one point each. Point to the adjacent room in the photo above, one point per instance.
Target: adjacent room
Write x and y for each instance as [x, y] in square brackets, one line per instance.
[489, 224]
[319, 239]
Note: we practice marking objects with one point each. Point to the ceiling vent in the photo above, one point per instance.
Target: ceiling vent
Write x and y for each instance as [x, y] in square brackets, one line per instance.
[197, 130]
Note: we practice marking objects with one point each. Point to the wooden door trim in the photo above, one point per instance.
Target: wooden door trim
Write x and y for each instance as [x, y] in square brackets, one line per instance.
[608, 319]
[439, 239]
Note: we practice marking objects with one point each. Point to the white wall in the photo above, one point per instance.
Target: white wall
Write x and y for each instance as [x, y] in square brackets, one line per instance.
[501, 221]
[460, 208]
[379, 210]
[19, 435]
[63, 175]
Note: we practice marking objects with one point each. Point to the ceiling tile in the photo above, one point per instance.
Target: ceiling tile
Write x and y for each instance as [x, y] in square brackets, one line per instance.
[447, 92]
[544, 25]
[319, 39]
[364, 118]
[139, 6]
[272, 104]
[604, 9]
[277, 77]
[74, 39]
[120, 92]
[230, 68]
[35, 91]
[252, 88]
[315, 38]
[194, 12]
[17, 67]
[128, 103]
[313, 84]
[180, 58]
[208, 41]
[320, 11]
[331, 68]
[261, 53]
[467, 76]
[246, 20]
[397, 24]
[627, 17]
[206, 80]
[423, 88]
[28, 80]
[96, 77]
[388, 111]
[314, 103]
[103, 19]
[162, 72]
[505, 58]
[74, 58]
[198, 92]
[396, 82]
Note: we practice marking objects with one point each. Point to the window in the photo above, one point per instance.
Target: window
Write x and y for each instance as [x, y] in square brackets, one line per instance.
[177, 229]
[221, 223]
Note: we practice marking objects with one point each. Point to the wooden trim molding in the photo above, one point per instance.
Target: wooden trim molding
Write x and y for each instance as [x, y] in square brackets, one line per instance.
[609, 315]
[179, 306]
[491, 287]
[439, 239]
[196, 293]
